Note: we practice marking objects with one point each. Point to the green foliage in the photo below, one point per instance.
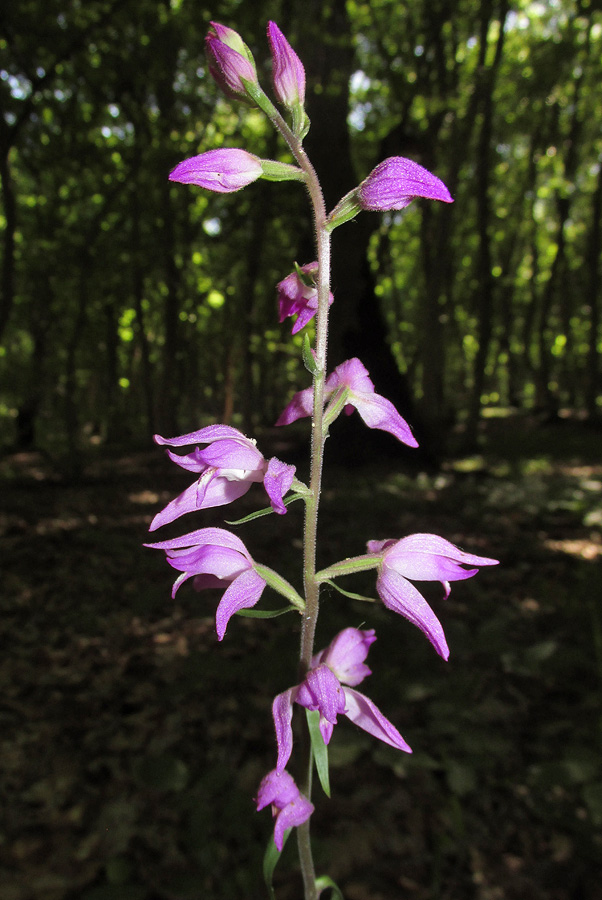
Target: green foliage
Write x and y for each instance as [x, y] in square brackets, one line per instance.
[131, 305]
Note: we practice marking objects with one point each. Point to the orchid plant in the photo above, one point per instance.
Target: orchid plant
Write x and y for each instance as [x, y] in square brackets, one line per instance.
[226, 463]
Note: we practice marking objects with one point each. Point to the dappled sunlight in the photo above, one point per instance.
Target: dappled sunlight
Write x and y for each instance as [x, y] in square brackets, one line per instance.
[587, 549]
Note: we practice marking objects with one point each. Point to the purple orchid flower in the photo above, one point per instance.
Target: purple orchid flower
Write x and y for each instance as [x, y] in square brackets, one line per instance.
[341, 663]
[215, 557]
[288, 73]
[230, 60]
[223, 171]
[289, 806]
[227, 468]
[351, 384]
[396, 181]
[295, 298]
[421, 557]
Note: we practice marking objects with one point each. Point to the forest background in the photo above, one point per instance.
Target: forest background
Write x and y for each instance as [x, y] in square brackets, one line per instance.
[131, 744]
[130, 305]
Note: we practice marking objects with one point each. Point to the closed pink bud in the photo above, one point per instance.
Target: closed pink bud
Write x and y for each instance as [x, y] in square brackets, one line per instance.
[223, 171]
[288, 73]
[396, 182]
[230, 60]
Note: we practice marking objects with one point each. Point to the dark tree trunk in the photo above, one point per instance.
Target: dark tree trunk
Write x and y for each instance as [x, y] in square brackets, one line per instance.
[8, 241]
[594, 250]
[485, 294]
[357, 324]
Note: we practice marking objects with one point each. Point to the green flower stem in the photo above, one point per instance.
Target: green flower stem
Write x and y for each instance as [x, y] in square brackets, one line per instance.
[318, 436]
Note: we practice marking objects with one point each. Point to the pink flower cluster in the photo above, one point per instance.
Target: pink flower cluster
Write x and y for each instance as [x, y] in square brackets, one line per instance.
[225, 463]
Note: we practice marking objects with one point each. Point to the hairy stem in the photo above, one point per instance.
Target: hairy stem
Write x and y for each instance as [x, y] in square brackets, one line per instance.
[318, 437]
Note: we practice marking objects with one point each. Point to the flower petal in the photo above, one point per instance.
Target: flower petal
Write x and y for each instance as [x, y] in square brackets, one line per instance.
[202, 436]
[366, 715]
[243, 593]
[346, 653]
[301, 405]
[402, 597]
[277, 789]
[293, 814]
[321, 690]
[378, 412]
[209, 491]
[186, 502]
[282, 713]
[428, 557]
[277, 481]
[217, 537]
[239, 453]
[188, 461]
[353, 374]
[221, 562]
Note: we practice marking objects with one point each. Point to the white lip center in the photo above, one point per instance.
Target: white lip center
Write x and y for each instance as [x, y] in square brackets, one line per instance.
[241, 474]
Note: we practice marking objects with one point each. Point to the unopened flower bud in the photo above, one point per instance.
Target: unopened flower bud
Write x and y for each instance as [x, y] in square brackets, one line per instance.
[288, 76]
[230, 61]
[223, 171]
[396, 181]
[288, 73]
[393, 184]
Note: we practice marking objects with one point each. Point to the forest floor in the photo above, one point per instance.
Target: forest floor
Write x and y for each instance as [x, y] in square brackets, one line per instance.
[132, 742]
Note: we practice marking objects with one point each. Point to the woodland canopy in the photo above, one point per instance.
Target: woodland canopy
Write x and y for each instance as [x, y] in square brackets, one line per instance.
[130, 305]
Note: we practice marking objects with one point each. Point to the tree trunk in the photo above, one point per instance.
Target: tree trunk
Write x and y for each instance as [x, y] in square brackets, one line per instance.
[594, 250]
[485, 294]
[8, 240]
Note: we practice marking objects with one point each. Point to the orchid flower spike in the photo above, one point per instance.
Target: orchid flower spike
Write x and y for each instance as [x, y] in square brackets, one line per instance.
[289, 806]
[298, 296]
[421, 557]
[215, 557]
[340, 664]
[226, 469]
[350, 386]
[230, 61]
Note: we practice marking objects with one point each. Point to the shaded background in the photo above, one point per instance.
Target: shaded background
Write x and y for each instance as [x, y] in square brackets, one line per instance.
[132, 743]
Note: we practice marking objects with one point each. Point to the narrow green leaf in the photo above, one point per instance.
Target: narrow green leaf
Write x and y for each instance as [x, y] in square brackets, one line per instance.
[308, 358]
[319, 748]
[326, 882]
[270, 860]
[267, 511]
[348, 593]
[265, 613]
[305, 278]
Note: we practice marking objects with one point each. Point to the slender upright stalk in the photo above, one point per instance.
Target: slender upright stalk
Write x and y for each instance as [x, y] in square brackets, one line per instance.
[318, 437]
